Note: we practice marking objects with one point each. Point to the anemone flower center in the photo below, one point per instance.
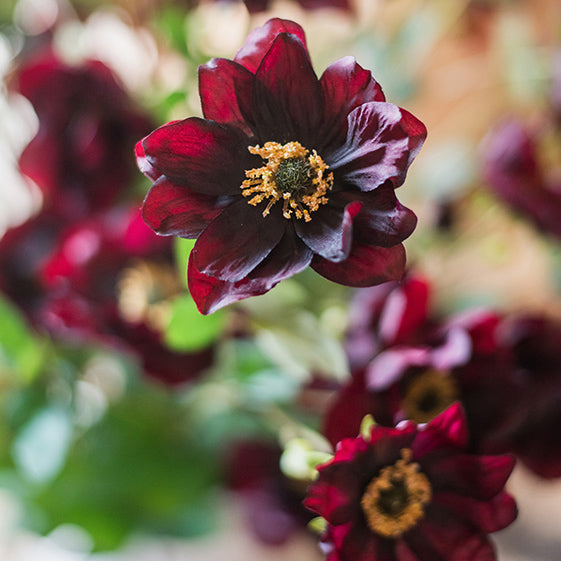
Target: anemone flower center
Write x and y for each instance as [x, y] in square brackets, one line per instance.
[428, 395]
[143, 293]
[291, 174]
[393, 501]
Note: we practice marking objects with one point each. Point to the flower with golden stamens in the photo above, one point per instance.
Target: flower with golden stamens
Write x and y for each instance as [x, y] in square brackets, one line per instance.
[286, 170]
[290, 175]
[144, 292]
[393, 501]
[412, 492]
[429, 394]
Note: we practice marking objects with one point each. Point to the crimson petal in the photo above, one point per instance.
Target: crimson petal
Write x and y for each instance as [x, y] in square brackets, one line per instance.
[448, 540]
[171, 209]
[285, 109]
[382, 141]
[143, 164]
[211, 294]
[480, 477]
[221, 82]
[345, 85]
[208, 157]
[289, 257]
[236, 241]
[382, 220]
[329, 233]
[366, 265]
[261, 39]
[447, 429]
[489, 516]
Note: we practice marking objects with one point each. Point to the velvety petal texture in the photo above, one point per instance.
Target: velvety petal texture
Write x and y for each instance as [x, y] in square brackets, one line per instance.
[285, 171]
[453, 524]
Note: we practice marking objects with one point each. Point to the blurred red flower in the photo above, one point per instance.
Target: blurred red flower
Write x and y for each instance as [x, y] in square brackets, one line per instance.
[412, 493]
[514, 172]
[80, 157]
[284, 172]
[110, 280]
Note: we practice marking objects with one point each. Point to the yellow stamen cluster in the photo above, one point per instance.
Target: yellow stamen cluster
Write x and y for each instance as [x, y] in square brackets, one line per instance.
[428, 395]
[143, 293]
[262, 183]
[393, 501]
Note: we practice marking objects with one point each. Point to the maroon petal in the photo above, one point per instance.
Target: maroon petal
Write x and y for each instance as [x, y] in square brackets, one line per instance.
[480, 477]
[171, 209]
[208, 157]
[236, 241]
[221, 82]
[261, 39]
[382, 220]
[382, 141]
[448, 539]
[366, 265]
[489, 516]
[286, 104]
[360, 544]
[211, 294]
[329, 233]
[40, 162]
[335, 499]
[289, 257]
[143, 164]
[345, 85]
[449, 429]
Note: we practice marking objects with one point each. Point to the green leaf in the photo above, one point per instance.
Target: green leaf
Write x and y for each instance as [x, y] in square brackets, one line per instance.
[188, 330]
[19, 348]
[182, 249]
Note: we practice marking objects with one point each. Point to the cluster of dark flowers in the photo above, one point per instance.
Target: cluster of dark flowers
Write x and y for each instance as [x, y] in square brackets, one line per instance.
[288, 171]
[86, 267]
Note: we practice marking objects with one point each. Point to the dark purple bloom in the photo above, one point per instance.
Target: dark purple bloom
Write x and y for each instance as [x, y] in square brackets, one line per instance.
[515, 174]
[534, 433]
[110, 279]
[284, 172]
[412, 493]
[419, 371]
[393, 313]
[80, 157]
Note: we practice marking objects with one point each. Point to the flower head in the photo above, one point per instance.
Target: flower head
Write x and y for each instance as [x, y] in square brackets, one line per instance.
[284, 172]
[87, 126]
[515, 173]
[412, 492]
[112, 280]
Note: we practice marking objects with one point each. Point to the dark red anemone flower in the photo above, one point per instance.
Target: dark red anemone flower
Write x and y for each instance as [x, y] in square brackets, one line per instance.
[455, 360]
[80, 157]
[393, 313]
[534, 435]
[514, 173]
[284, 172]
[110, 280]
[412, 493]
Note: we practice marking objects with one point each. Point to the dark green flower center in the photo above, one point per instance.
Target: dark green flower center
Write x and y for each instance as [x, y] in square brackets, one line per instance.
[393, 500]
[294, 174]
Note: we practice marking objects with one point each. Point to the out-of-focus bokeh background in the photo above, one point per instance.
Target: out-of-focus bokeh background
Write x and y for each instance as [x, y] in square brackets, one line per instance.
[158, 435]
